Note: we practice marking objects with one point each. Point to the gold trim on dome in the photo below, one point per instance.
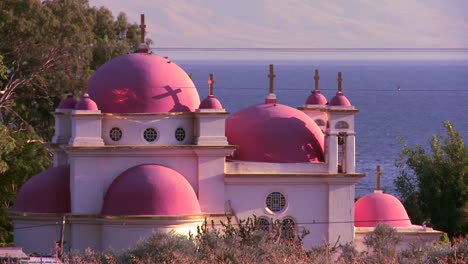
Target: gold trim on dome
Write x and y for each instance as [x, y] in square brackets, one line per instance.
[151, 114]
[130, 147]
[342, 110]
[153, 217]
[299, 175]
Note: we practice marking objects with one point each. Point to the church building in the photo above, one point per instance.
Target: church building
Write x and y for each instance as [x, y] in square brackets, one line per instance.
[140, 152]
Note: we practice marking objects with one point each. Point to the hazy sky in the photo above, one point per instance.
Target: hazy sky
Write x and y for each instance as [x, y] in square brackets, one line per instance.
[300, 23]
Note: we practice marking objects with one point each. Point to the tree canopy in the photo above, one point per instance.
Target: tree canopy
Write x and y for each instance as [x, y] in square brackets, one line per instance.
[47, 48]
[433, 184]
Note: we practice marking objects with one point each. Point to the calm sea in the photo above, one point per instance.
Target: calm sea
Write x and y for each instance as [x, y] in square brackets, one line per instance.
[430, 92]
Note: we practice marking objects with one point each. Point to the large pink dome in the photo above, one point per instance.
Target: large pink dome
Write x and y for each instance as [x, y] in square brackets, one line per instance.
[379, 207]
[142, 83]
[275, 133]
[150, 190]
[46, 192]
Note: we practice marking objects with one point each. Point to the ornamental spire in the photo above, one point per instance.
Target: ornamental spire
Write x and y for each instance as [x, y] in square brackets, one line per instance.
[377, 175]
[316, 78]
[143, 29]
[210, 85]
[272, 81]
[271, 97]
[340, 82]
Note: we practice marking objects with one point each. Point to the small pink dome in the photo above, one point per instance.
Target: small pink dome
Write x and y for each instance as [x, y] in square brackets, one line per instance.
[68, 102]
[339, 100]
[46, 192]
[379, 207]
[316, 98]
[210, 102]
[150, 190]
[275, 133]
[143, 83]
[86, 103]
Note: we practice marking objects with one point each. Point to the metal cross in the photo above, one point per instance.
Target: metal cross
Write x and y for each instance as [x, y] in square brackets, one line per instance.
[142, 27]
[272, 77]
[378, 174]
[210, 84]
[340, 81]
[316, 78]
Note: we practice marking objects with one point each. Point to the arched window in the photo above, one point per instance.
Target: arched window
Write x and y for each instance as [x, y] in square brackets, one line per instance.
[320, 122]
[288, 228]
[341, 125]
[263, 224]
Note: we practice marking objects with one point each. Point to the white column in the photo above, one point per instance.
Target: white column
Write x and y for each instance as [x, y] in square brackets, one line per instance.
[332, 153]
[350, 154]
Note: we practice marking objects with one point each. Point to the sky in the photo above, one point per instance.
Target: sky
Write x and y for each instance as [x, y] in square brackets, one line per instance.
[300, 24]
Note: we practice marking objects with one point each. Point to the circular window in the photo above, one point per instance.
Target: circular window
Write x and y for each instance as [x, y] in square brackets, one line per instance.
[288, 228]
[115, 134]
[275, 201]
[180, 134]
[150, 134]
[263, 224]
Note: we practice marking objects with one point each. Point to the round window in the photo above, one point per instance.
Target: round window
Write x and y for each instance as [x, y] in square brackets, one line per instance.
[150, 134]
[180, 134]
[275, 201]
[115, 134]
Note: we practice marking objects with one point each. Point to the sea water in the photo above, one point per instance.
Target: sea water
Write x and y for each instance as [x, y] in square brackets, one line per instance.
[407, 99]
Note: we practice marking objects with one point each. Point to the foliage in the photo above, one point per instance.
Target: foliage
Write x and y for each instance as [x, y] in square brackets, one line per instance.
[434, 185]
[228, 244]
[46, 49]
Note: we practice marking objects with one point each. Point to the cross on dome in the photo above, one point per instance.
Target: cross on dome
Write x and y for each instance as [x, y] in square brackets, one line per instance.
[272, 77]
[340, 82]
[316, 78]
[143, 28]
[378, 174]
[210, 85]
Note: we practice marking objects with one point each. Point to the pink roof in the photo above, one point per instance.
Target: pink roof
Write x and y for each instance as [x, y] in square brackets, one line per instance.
[210, 102]
[340, 100]
[275, 133]
[68, 102]
[316, 98]
[379, 207]
[46, 192]
[150, 190]
[86, 103]
[142, 83]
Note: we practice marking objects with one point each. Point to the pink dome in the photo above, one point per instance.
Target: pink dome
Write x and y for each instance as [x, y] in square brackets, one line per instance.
[379, 207]
[68, 102]
[316, 98]
[339, 100]
[46, 192]
[86, 103]
[275, 133]
[210, 102]
[150, 190]
[142, 83]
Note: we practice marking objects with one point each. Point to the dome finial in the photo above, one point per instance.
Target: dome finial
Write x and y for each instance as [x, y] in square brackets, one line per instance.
[377, 174]
[142, 48]
[143, 28]
[316, 78]
[340, 82]
[210, 85]
[271, 97]
[272, 81]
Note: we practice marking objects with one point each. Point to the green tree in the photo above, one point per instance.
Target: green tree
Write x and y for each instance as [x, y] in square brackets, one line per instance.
[47, 48]
[433, 184]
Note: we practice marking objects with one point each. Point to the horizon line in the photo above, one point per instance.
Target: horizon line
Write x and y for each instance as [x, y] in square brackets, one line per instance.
[279, 49]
